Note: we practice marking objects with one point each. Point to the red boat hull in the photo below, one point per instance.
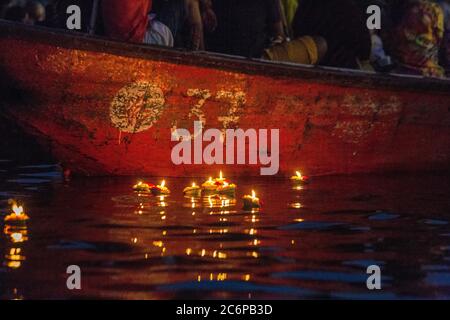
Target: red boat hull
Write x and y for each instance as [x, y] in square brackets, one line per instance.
[76, 96]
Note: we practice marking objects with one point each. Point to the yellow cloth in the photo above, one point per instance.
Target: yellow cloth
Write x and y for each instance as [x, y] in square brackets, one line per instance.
[301, 50]
[290, 8]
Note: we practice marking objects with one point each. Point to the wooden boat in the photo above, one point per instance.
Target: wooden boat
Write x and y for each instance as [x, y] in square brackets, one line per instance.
[77, 95]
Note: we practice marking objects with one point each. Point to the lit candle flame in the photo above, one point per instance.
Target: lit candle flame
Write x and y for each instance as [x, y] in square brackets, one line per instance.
[221, 175]
[253, 194]
[17, 210]
[210, 179]
[163, 184]
[299, 174]
[17, 214]
[193, 185]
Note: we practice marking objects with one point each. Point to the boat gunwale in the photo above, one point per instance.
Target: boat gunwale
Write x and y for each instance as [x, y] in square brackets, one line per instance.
[318, 74]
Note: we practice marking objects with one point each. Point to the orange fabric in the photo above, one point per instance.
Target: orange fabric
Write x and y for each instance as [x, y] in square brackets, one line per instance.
[126, 20]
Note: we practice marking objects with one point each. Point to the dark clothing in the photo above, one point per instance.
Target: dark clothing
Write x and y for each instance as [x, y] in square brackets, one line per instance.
[342, 23]
[3, 6]
[173, 14]
[16, 14]
[57, 13]
[243, 26]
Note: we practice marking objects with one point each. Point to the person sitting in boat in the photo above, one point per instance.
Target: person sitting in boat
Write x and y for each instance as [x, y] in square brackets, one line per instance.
[201, 18]
[36, 12]
[17, 14]
[246, 28]
[4, 4]
[289, 9]
[172, 14]
[158, 33]
[187, 20]
[126, 20]
[342, 24]
[303, 50]
[379, 59]
[131, 21]
[417, 38]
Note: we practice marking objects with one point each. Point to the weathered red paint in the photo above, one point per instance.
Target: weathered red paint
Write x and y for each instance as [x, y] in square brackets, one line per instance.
[331, 122]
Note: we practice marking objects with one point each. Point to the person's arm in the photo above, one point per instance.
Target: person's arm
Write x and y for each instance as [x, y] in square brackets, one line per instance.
[275, 21]
[195, 24]
[278, 34]
[208, 15]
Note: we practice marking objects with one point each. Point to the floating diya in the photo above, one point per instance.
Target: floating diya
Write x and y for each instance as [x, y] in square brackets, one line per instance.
[251, 201]
[299, 178]
[160, 189]
[193, 191]
[221, 178]
[219, 185]
[209, 185]
[223, 186]
[142, 187]
[18, 215]
[226, 188]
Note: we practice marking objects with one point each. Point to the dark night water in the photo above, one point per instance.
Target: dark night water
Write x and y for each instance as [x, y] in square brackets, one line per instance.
[305, 244]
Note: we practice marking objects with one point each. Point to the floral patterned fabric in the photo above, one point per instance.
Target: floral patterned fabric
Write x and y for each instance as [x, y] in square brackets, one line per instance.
[419, 37]
[446, 7]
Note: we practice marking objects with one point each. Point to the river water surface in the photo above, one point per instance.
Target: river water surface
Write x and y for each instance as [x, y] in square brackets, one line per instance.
[312, 242]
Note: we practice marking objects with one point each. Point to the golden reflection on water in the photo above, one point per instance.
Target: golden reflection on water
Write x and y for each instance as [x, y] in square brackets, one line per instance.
[296, 205]
[171, 242]
[221, 209]
[221, 276]
[14, 258]
[17, 236]
[208, 230]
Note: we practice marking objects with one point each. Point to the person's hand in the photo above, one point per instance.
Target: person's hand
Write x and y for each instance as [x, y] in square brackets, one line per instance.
[277, 40]
[195, 22]
[209, 20]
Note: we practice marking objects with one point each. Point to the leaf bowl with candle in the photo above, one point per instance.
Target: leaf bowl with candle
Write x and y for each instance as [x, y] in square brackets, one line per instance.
[209, 185]
[143, 187]
[160, 189]
[298, 178]
[219, 185]
[251, 201]
[226, 189]
[17, 216]
[192, 191]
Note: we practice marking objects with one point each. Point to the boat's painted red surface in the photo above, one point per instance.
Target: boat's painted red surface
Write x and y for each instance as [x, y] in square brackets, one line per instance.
[77, 95]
